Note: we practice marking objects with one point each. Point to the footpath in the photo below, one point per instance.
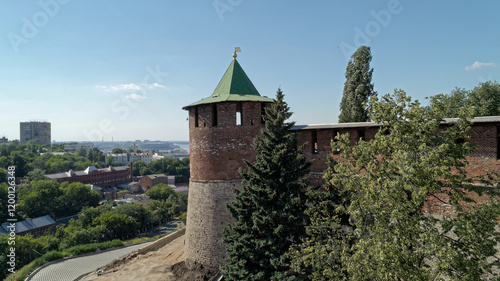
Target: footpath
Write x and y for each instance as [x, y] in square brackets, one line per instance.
[73, 268]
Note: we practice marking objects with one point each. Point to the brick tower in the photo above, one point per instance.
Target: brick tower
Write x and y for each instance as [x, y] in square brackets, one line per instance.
[221, 132]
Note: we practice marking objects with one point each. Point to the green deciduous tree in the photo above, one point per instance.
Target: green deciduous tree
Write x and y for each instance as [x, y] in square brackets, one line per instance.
[268, 211]
[389, 180]
[40, 198]
[485, 98]
[329, 235]
[358, 87]
[76, 196]
[119, 225]
[160, 192]
[117, 150]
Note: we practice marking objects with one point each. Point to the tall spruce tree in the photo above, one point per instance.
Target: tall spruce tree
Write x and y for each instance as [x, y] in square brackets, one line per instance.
[268, 211]
[358, 87]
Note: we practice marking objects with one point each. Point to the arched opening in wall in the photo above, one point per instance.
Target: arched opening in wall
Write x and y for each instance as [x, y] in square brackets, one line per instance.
[239, 114]
[314, 142]
[214, 114]
[196, 116]
[361, 134]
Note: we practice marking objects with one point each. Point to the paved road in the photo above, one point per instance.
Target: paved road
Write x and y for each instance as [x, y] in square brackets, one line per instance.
[69, 270]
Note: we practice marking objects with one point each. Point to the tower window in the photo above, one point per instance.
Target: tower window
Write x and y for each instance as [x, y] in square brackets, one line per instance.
[239, 114]
[361, 134]
[314, 142]
[196, 116]
[214, 115]
[262, 112]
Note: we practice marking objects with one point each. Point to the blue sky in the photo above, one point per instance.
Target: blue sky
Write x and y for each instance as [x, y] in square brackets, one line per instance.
[124, 69]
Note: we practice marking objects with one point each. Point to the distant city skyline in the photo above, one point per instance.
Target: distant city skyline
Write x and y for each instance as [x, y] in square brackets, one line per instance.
[123, 70]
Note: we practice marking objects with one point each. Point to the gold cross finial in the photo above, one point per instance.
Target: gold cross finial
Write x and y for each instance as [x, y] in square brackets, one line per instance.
[236, 49]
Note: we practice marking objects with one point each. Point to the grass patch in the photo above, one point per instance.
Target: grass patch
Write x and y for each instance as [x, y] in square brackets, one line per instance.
[89, 248]
[144, 239]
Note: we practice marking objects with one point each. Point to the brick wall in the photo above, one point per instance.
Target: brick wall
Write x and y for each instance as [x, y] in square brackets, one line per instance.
[483, 160]
[217, 150]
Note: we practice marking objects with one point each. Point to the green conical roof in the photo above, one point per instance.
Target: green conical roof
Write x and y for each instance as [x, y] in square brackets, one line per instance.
[234, 86]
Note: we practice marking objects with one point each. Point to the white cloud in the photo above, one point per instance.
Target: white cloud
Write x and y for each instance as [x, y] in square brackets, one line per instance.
[477, 65]
[130, 87]
[135, 97]
[153, 86]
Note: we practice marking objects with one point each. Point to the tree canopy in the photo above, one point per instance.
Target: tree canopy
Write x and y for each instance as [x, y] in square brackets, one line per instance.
[358, 87]
[485, 98]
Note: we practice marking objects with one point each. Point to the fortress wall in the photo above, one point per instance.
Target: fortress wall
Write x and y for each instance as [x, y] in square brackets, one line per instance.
[207, 216]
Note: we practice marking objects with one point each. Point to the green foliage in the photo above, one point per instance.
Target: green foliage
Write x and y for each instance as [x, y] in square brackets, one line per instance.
[95, 155]
[82, 152]
[76, 196]
[27, 250]
[268, 211]
[183, 217]
[35, 175]
[19, 159]
[57, 147]
[171, 167]
[52, 256]
[162, 211]
[137, 166]
[40, 199]
[484, 98]
[119, 225]
[329, 235]
[136, 211]
[23, 272]
[164, 192]
[118, 150]
[88, 214]
[89, 248]
[3, 201]
[386, 183]
[3, 175]
[358, 87]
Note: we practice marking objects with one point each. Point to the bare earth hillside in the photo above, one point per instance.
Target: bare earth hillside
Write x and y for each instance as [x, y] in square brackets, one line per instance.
[166, 264]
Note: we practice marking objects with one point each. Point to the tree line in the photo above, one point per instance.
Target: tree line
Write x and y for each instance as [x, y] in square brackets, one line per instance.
[95, 223]
[32, 160]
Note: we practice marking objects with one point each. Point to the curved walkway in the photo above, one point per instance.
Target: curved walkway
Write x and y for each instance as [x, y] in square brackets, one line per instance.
[70, 269]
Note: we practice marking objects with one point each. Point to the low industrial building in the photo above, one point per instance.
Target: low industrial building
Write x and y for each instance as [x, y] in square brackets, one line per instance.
[36, 227]
[104, 178]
